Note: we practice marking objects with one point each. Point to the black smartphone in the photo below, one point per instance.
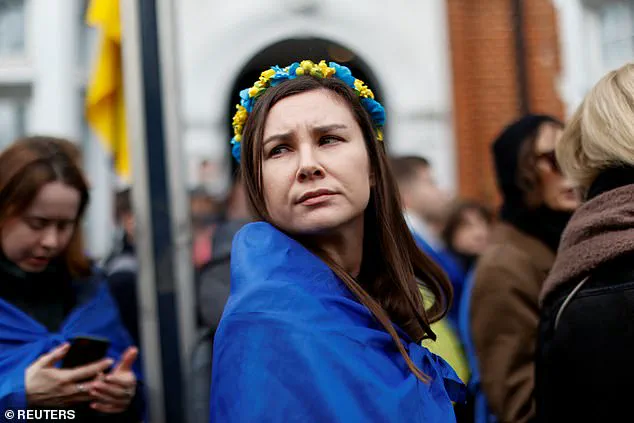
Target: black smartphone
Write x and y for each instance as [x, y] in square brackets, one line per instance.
[85, 350]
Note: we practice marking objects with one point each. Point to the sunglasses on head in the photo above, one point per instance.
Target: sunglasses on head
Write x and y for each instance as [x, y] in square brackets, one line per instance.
[551, 158]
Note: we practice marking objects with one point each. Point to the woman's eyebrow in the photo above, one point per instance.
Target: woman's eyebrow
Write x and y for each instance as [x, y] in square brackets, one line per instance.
[285, 137]
[327, 128]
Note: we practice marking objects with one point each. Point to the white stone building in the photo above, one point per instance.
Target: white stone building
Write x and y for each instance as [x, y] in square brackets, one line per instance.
[400, 47]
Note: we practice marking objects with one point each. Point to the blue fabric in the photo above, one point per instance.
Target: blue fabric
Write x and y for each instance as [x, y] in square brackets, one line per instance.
[453, 270]
[481, 412]
[23, 340]
[294, 345]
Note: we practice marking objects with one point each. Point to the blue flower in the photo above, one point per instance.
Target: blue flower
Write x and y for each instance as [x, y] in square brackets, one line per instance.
[291, 70]
[236, 149]
[245, 100]
[343, 73]
[375, 110]
[280, 76]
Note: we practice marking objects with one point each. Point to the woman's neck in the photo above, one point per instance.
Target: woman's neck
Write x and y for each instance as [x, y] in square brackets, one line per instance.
[344, 246]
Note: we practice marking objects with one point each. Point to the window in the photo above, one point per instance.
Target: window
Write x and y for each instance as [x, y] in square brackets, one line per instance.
[617, 33]
[12, 120]
[12, 28]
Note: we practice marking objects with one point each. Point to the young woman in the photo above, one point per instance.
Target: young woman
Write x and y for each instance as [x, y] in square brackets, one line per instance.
[325, 317]
[586, 337]
[50, 293]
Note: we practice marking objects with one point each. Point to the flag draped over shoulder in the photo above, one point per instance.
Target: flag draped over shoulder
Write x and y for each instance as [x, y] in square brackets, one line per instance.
[294, 345]
[105, 108]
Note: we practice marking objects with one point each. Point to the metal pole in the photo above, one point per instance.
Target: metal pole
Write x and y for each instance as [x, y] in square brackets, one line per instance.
[178, 196]
[165, 285]
[135, 118]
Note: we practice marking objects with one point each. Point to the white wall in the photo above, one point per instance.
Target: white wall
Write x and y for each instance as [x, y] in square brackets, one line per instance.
[53, 31]
[583, 56]
[54, 77]
[405, 44]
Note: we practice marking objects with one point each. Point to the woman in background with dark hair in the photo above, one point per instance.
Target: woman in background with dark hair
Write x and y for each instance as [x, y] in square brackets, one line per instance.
[466, 233]
[50, 292]
[537, 204]
[325, 318]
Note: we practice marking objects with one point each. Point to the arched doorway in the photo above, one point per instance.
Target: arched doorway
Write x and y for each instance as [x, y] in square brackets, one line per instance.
[292, 50]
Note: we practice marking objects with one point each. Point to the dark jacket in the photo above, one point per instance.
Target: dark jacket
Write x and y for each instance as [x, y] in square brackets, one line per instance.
[585, 364]
[122, 269]
[213, 286]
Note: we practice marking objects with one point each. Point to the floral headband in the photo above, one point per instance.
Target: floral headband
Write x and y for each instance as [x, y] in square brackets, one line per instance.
[276, 75]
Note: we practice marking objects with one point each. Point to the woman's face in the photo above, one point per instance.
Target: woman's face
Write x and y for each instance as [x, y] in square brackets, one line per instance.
[559, 193]
[472, 234]
[32, 239]
[315, 166]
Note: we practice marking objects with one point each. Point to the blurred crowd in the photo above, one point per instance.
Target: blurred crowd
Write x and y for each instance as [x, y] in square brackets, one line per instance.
[512, 273]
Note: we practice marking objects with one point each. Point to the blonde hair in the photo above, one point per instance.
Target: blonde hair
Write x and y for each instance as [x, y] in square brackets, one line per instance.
[601, 131]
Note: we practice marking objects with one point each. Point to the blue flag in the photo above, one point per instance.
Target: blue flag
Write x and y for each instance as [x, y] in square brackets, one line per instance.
[23, 339]
[294, 345]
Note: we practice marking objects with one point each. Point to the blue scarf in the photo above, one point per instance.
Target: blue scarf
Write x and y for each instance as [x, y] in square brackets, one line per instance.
[23, 340]
[294, 345]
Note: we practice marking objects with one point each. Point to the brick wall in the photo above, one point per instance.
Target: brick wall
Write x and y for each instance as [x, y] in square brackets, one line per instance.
[485, 79]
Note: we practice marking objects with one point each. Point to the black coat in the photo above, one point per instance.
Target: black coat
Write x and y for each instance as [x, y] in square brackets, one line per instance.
[585, 366]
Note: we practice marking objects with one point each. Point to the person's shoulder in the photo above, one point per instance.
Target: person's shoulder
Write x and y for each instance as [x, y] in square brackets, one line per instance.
[123, 262]
[272, 271]
[506, 267]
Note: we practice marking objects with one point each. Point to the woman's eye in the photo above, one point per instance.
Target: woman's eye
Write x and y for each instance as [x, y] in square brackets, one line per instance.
[328, 140]
[278, 150]
[36, 224]
[64, 226]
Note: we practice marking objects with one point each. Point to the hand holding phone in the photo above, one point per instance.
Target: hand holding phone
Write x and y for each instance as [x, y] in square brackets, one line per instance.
[85, 350]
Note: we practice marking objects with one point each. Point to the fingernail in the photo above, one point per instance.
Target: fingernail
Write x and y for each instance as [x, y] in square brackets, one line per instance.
[110, 362]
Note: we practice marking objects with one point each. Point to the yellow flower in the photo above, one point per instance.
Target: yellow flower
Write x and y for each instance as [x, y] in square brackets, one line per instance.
[325, 70]
[266, 75]
[364, 91]
[241, 115]
[239, 120]
[307, 65]
[379, 134]
[238, 138]
[299, 71]
[253, 91]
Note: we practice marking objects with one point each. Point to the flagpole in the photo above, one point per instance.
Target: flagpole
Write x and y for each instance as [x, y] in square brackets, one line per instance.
[162, 223]
[179, 196]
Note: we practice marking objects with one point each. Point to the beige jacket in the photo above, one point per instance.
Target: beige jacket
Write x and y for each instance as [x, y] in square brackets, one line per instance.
[504, 319]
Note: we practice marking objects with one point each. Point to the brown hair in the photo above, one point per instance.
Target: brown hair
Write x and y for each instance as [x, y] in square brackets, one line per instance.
[456, 217]
[29, 164]
[405, 168]
[527, 174]
[392, 262]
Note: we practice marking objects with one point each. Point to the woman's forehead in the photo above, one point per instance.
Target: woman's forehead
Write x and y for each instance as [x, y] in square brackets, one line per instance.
[311, 108]
[547, 138]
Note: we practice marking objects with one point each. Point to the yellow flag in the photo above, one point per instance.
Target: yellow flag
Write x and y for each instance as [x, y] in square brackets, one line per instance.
[105, 108]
